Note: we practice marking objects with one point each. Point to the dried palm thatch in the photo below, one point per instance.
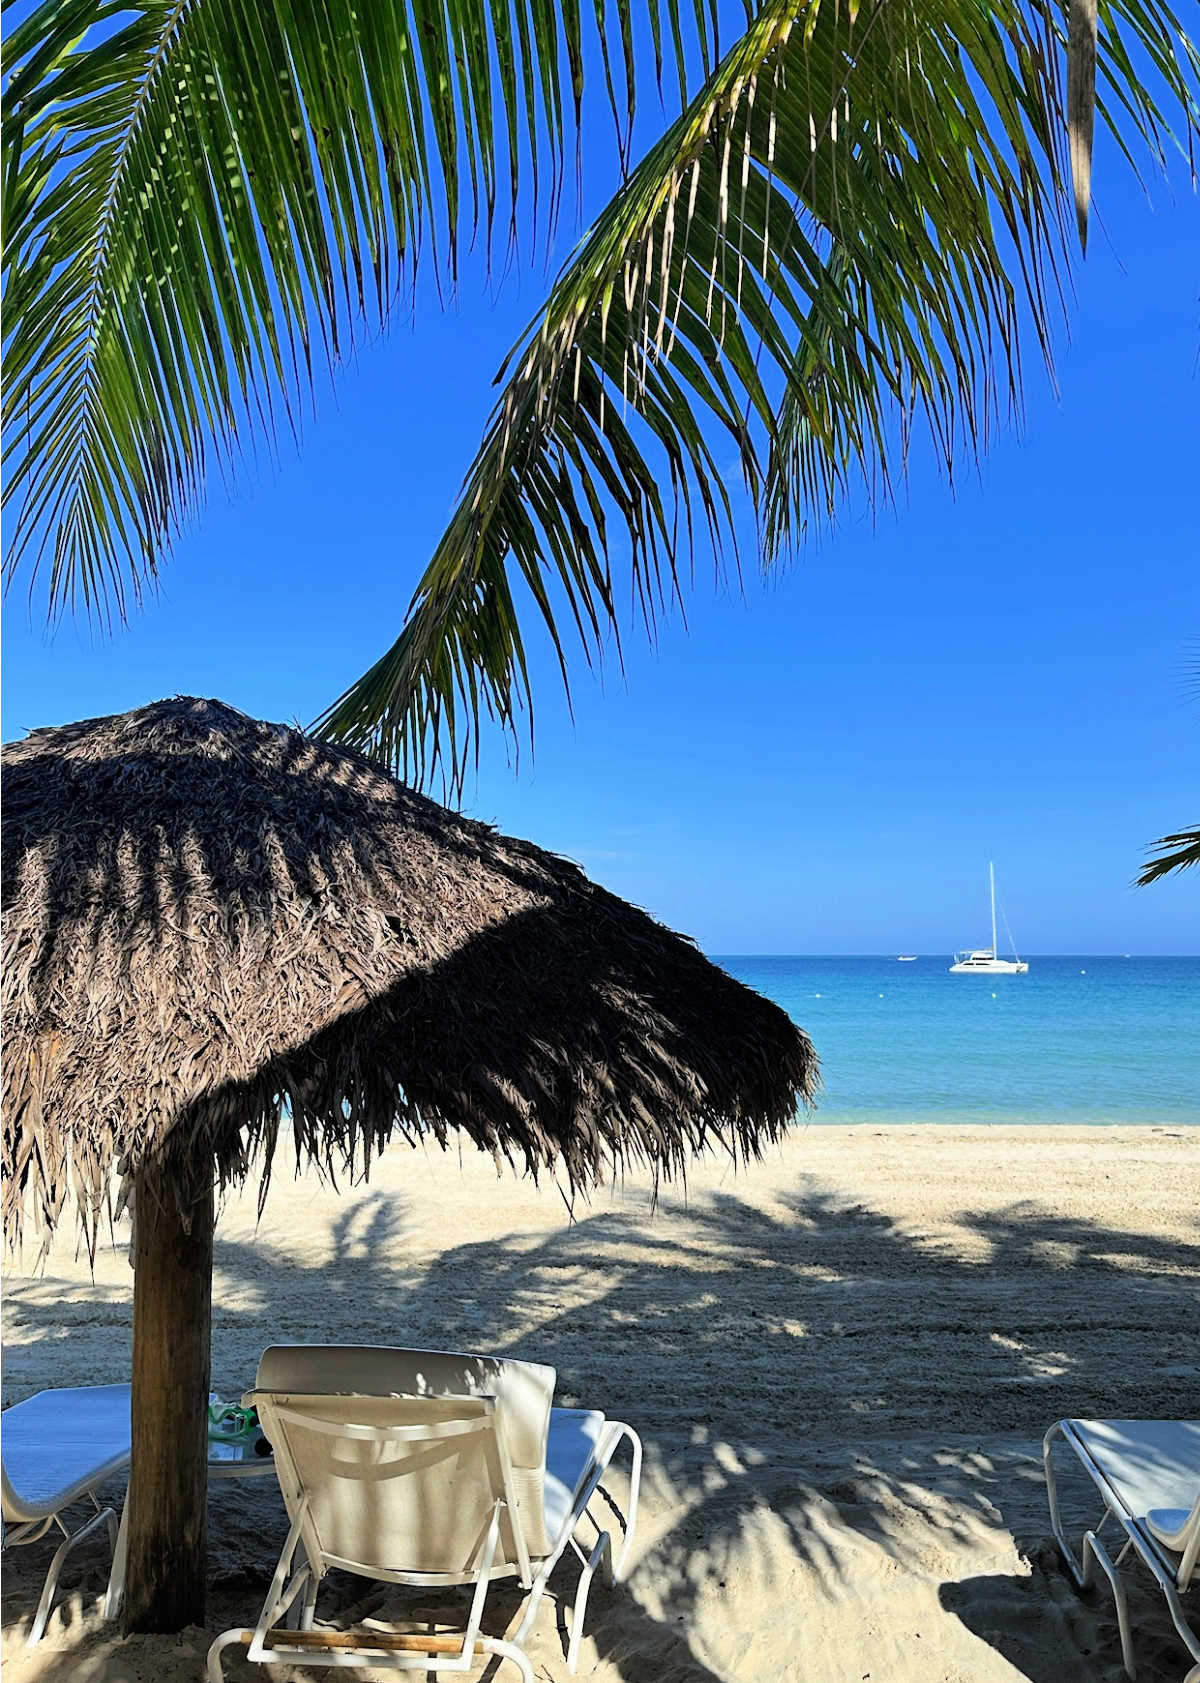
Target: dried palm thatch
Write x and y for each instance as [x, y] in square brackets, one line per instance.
[215, 925]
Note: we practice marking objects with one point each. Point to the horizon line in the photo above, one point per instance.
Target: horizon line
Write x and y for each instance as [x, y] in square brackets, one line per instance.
[943, 953]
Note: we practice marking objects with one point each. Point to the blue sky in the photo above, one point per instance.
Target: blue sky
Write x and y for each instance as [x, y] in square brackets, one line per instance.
[822, 762]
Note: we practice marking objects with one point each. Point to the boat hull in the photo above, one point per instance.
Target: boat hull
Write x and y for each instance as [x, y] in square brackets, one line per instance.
[990, 967]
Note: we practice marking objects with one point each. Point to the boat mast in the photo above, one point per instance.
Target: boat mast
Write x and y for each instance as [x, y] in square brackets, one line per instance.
[992, 881]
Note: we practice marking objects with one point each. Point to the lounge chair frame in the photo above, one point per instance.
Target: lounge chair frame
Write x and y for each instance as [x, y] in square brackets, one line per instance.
[32, 1531]
[1172, 1577]
[28, 1520]
[284, 1630]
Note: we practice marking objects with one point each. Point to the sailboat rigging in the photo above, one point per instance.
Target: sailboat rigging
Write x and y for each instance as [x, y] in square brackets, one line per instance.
[986, 961]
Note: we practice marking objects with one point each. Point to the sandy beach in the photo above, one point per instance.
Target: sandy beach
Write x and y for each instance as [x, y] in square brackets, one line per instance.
[842, 1361]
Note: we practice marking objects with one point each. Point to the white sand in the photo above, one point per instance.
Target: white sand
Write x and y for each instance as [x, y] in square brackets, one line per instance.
[842, 1361]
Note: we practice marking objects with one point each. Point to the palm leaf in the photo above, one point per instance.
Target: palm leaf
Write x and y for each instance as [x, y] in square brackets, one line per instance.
[835, 244]
[1175, 853]
[204, 199]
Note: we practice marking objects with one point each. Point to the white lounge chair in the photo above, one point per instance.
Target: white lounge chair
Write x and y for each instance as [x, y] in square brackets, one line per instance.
[421, 1467]
[58, 1449]
[1148, 1474]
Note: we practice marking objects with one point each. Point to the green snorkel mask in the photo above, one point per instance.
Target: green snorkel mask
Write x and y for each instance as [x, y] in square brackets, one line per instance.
[228, 1420]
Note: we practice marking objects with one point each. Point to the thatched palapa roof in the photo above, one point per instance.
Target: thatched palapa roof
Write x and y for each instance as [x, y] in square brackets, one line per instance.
[213, 924]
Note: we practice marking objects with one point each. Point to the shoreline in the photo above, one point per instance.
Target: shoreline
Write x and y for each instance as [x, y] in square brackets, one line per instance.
[1017, 1124]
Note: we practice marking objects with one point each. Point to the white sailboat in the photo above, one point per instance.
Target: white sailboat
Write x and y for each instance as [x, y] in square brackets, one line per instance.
[986, 961]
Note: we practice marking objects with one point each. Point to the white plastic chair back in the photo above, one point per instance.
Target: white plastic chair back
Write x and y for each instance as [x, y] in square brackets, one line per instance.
[400, 1456]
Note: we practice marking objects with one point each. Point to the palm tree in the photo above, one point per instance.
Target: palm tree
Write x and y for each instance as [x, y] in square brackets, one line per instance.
[861, 210]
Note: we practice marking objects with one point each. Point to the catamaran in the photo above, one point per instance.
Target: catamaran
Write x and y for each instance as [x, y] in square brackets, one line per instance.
[986, 961]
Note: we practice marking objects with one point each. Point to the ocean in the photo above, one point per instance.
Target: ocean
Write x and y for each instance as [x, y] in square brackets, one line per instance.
[1076, 1040]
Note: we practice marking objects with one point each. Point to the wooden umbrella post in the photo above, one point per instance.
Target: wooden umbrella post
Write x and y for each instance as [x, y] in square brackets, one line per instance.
[172, 1315]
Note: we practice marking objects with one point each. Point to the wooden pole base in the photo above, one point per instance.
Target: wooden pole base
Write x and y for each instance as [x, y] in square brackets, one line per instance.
[172, 1318]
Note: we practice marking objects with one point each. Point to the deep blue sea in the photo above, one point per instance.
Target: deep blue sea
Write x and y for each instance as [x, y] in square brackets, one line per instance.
[1075, 1040]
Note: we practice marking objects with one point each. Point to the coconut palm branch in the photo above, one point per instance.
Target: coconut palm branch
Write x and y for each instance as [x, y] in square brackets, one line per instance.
[1178, 851]
[205, 199]
[1175, 853]
[834, 242]
[842, 238]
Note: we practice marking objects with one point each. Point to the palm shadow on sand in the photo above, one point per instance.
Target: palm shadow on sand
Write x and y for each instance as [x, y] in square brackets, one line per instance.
[830, 1314]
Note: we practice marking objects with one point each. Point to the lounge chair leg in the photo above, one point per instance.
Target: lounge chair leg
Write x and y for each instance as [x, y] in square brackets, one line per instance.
[635, 1488]
[1189, 1637]
[532, 1603]
[1094, 1550]
[504, 1651]
[116, 1577]
[38, 1627]
[1074, 1567]
[227, 1639]
[600, 1556]
[614, 1570]
[309, 1608]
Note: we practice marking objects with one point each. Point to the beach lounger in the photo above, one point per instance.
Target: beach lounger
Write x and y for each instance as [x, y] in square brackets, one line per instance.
[1148, 1474]
[58, 1449]
[421, 1467]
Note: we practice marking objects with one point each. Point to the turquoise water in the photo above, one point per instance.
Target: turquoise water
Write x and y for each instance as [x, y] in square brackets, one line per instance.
[1076, 1040]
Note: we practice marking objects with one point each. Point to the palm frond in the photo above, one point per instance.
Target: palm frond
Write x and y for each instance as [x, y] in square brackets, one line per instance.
[1175, 853]
[204, 198]
[834, 244]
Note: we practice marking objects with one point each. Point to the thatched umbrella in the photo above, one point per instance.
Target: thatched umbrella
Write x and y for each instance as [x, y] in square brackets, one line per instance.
[215, 927]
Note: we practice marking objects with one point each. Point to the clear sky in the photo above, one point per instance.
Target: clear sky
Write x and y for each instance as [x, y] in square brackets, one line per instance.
[820, 763]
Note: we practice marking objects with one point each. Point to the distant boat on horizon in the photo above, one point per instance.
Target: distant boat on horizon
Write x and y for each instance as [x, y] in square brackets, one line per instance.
[986, 961]
[906, 958]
